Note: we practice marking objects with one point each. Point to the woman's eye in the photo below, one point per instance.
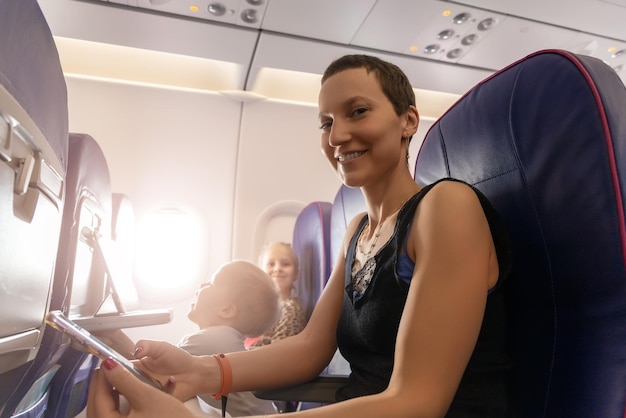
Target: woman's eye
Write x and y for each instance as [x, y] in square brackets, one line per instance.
[325, 125]
[358, 111]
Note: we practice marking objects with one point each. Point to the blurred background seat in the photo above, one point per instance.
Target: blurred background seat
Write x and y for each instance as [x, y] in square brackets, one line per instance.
[311, 243]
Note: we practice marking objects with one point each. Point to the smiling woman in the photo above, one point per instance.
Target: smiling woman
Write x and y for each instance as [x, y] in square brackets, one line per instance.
[170, 245]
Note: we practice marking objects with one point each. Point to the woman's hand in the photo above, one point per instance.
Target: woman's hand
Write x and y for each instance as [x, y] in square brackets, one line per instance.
[144, 401]
[186, 375]
[117, 340]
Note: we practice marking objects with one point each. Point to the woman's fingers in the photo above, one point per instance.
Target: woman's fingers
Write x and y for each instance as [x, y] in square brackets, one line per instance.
[162, 358]
[102, 400]
[135, 391]
[144, 400]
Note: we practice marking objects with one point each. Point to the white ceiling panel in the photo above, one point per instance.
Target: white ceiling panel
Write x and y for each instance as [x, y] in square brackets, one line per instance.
[601, 17]
[328, 20]
[403, 28]
[451, 35]
[296, 54]
[513, 39]
[392, 24]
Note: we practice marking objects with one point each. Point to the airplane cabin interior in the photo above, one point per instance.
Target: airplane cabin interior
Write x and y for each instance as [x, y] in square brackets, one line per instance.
[144, 143]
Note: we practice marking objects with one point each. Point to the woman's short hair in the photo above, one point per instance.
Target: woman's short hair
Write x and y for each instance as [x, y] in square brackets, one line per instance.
[393, 81]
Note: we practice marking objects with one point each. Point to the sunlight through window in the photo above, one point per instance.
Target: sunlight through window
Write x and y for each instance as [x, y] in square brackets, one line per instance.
[169, 247]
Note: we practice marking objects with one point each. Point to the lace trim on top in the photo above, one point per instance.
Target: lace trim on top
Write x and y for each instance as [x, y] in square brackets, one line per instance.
[361, 280]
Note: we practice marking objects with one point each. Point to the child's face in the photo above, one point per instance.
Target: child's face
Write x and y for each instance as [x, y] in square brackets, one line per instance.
[280, 264]
[210, 297]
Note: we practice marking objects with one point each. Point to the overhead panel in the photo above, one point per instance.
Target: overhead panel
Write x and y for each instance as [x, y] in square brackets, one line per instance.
[514, 38]
[101, 22]
[328, 20]
[393, 25]
[600, 17]
[476, 36]
[297, 54]
[246, 13]
[453, 33]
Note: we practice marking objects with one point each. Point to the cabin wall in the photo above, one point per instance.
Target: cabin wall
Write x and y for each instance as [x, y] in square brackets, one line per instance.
[243, 169]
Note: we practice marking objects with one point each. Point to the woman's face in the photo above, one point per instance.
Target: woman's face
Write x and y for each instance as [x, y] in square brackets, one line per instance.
[361, 133]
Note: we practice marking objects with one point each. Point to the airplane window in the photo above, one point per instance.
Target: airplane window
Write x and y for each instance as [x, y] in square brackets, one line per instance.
[169, 249]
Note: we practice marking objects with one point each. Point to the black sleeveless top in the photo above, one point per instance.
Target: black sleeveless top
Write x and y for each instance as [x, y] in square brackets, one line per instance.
[367, 330]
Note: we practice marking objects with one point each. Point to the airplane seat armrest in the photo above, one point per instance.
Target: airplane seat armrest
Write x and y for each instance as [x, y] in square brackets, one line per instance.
[321, 389]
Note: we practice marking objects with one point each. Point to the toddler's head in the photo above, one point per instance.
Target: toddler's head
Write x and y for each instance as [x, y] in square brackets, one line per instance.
[240, 295]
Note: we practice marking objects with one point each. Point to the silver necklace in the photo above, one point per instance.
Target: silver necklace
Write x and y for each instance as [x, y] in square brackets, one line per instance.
[376, 233]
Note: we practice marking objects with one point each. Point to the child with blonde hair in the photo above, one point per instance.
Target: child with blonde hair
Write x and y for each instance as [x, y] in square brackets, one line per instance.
[280, 262]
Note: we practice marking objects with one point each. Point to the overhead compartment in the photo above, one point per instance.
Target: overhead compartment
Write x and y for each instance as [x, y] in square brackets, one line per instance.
[104, 23]
[283, 52]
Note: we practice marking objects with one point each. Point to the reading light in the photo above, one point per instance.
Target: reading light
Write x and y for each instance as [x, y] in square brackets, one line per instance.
[217, 9]
[454, 53]
[469, 39]
[194, 8]
[431, 49]
[249, 16]
[486, 24]
[445, 34]
[461, 18]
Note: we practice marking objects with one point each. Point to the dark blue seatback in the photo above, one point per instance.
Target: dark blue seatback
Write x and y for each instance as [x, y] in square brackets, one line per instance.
[78, 286]
[33, 159]
[545, 141]
[80, 279]
[348, 203]
[311, 243]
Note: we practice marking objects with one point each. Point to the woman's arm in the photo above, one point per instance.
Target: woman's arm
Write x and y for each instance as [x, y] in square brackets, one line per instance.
[455, 265]
[289, 361]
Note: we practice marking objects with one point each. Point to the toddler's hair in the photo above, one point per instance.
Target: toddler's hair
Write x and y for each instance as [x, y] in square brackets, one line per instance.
[256, 296]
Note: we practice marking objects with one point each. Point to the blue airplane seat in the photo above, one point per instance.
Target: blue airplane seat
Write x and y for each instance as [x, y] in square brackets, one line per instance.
[33, 160]
[80, 279]
[315, 220]
[311, 243]
[79, 285]
[348, 203]
[545, 140]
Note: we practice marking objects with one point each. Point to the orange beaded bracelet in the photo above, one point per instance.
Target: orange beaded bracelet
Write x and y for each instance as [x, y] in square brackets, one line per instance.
[226, 374]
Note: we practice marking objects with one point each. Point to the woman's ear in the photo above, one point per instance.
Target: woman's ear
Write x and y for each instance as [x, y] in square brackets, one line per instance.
[412, 120]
